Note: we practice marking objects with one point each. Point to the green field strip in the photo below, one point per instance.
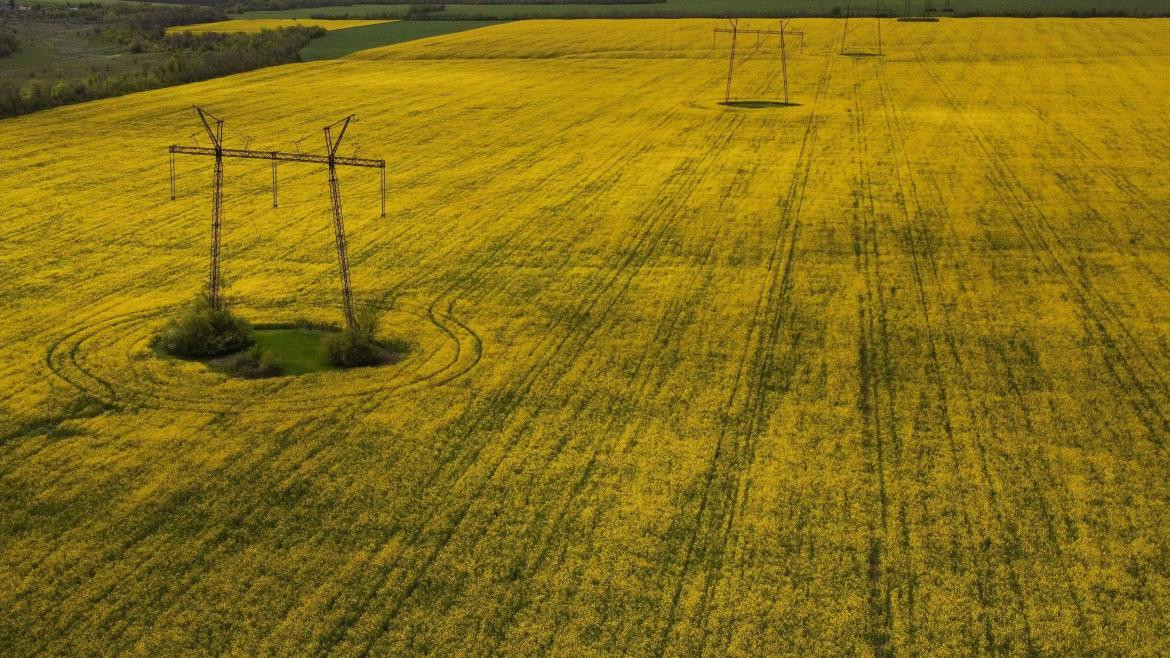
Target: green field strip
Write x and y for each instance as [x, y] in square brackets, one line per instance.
[340, 43]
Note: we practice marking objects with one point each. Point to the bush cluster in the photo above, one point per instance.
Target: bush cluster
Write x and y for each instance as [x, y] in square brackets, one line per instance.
[256, 363]
[351, 349]
[200, 331]
[356, 346]
[8, 43]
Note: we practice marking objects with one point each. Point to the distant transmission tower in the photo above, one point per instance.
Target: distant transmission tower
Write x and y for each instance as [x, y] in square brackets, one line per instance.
[925, 16]
[331, 160]
[735, 31]
[845, 31]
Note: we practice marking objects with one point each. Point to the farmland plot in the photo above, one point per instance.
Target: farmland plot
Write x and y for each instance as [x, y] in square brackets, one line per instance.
[881, 372]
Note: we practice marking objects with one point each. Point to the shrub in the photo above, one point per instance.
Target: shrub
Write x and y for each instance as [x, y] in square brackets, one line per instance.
[358, 346]
[199, 330]
[352, 349]
[256, 363]
[8, 43]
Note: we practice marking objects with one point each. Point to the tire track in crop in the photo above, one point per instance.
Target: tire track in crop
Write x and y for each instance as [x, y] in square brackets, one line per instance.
[63, 360]
[919, 224]
[876, 394]
[544, 221]
[619, 416]
[657, 352]
[605, 177]
[589, 188]
[768, 372]
[763, 369]
[246, 514]
[469, 282]
[170, 513]
[680, 187]
[644, 241]
[766, 317]
[1100, 318]
[650, 373]
[242, 513]
[926, 216]
[1139, 199]
[74, 316]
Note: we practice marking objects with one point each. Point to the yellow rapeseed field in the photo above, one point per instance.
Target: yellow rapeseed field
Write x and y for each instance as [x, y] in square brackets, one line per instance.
[250, 25]
[884, 372]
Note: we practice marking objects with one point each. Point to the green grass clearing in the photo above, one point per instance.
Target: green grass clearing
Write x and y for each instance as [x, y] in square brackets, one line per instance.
[296, 351]
[343, 42]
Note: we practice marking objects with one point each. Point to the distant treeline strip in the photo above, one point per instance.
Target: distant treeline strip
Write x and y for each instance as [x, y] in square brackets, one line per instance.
[238, 6]
[192, 57]
[121, 18]
[444, 12]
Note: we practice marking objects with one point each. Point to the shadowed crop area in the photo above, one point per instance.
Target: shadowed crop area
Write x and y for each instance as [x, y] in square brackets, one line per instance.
[881, 372]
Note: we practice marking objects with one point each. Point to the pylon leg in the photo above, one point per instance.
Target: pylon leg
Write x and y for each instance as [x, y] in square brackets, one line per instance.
[784, 64]
[730, 68]
[216, 217]
[342, 256]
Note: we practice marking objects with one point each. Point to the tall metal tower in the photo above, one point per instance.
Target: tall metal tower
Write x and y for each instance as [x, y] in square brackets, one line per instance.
[735, 31]
[332, 160]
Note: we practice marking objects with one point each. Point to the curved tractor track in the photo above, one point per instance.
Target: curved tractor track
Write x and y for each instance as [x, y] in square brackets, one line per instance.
[110, 359]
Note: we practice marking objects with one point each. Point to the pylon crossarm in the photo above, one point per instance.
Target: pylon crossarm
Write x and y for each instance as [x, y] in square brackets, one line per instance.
[279, 156]
[724, 30]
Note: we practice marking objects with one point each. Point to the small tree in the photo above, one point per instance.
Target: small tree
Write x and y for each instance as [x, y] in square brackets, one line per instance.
[356, 347]
[200, 331]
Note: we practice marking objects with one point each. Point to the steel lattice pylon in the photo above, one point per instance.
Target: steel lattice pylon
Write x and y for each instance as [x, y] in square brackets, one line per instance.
[331, 160]
[735, 31]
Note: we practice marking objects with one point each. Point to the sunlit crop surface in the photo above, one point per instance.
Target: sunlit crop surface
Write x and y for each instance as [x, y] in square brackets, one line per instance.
[884, 372]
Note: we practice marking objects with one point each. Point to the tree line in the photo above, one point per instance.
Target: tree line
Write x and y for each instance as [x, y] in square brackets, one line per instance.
[177, 58]
[239, 6]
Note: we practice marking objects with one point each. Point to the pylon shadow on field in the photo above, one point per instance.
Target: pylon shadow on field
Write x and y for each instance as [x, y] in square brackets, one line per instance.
[758, 105]
[860, 54]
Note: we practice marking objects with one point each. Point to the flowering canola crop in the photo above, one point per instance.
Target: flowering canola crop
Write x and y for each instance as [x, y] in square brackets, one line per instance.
[884, 371]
